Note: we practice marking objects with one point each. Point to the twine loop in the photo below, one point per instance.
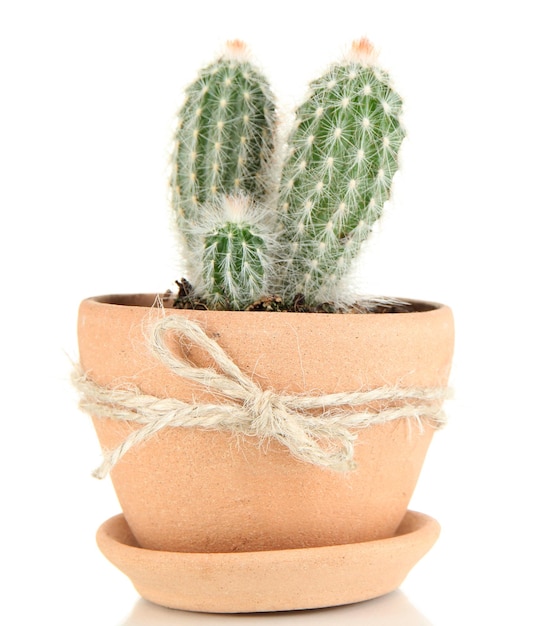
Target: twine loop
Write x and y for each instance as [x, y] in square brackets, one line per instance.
[318, 429]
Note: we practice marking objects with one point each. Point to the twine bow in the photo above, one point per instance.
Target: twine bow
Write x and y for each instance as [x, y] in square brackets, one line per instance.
[318, 429]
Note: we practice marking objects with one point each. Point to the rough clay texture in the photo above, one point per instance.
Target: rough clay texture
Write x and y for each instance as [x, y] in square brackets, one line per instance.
[190, 490]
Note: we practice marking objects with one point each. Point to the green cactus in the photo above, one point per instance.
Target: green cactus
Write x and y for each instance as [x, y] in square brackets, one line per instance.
[223, 150]
[225, 134]
[337, 176]
[239, 245]
[234, 254]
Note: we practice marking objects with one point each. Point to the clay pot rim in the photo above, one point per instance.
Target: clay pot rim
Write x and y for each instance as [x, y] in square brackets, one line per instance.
[148, 300]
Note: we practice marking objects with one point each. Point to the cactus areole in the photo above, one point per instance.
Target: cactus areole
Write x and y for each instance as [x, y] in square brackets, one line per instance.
[246, 241]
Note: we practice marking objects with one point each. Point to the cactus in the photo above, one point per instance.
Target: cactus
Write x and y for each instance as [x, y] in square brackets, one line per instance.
[234, 253]
[223, 148]
[337, 176]
[342, 157]
[224, 137]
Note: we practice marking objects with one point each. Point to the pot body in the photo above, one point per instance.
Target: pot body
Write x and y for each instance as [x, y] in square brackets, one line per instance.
[193, 490]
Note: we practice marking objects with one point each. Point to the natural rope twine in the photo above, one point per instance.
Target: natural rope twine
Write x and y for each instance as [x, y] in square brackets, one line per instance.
[324, 438]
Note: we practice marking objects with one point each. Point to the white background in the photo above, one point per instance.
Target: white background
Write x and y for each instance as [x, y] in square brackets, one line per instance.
[89, 92]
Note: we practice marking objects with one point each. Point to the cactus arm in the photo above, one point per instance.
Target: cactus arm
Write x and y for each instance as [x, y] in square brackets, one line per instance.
[342, 158]
[234, 257]
[225, 134]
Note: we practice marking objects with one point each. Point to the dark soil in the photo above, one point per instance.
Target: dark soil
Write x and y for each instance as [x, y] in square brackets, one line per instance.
[185, 299]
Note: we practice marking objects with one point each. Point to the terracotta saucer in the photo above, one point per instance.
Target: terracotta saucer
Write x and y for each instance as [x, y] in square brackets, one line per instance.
[278, 580]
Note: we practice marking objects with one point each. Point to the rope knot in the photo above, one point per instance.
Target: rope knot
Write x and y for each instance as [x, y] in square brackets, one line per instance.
[266, 409]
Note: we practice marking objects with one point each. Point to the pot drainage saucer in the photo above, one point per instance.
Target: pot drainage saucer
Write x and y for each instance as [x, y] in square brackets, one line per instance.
[277, 580]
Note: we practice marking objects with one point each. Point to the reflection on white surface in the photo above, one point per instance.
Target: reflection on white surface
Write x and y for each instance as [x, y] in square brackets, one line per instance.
[394, 609]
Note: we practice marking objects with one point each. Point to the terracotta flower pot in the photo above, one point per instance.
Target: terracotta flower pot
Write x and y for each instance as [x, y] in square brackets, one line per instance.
[200, 491]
